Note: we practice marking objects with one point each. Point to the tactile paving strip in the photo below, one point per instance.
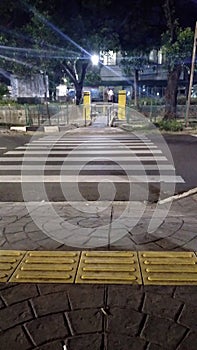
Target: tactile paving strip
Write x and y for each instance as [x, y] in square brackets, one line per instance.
[168, 268]
[9, 259]
[110, 267]
[47, 267]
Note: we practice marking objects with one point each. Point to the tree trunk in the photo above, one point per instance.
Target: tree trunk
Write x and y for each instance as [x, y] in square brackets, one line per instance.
[71, 71]
[136, 79]
[171, 93]
[78, 88]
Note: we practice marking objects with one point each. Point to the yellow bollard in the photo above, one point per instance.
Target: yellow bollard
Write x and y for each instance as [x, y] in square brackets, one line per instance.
[121, 104]
[86, 105]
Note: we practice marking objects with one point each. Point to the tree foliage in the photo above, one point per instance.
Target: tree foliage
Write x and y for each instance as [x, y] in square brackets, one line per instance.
[177, 47]
[59, 37]
[132, 64]
[178, 51]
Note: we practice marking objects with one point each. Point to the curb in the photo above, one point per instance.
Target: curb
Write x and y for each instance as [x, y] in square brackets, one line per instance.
[178, 196]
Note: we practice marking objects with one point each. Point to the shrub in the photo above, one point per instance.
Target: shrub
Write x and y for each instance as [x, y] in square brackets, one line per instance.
[3, 89]
[8, 103]
[170, 125]
[182, 100]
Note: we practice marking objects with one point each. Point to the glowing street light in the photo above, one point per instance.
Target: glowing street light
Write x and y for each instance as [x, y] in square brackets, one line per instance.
[95, 59]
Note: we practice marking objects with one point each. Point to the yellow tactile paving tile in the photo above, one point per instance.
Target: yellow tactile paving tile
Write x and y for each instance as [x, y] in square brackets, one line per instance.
[9, 259]
[168, 268]
[109, 267]
[47, 267]
[104, 267]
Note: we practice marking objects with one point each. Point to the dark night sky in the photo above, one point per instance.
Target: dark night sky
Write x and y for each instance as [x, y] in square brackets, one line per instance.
[187, 12]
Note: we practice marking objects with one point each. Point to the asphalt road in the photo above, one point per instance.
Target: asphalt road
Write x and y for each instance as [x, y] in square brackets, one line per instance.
[184, 152]
[11, 140]
[182, 147]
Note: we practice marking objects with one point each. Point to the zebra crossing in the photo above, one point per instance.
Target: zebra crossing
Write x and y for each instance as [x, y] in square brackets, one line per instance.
[89, 159]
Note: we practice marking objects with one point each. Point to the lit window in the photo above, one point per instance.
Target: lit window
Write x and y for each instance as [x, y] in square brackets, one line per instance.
[108, 58]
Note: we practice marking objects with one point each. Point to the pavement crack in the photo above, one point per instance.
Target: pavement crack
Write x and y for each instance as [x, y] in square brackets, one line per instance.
[179, 312]
[31, 305]
[179, 228]
[28, 334]
[38, 289]
[183, 338]
[142, 325]
[105, 313]
[190, 240]
[4, 235]
[69, 301]
[174, 291]
[110, 224]
[64, 345]
[147, 346]
[142, 300]
[4, 301]
[69, 324]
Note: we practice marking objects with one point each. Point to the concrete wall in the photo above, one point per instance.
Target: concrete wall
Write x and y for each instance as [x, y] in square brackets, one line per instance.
[11, 115]
[41, 114]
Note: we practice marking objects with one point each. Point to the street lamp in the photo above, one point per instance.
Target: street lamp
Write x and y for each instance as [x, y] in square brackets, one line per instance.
[95, 59]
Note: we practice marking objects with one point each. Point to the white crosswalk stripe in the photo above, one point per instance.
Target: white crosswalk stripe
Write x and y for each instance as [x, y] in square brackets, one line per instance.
[66, 167]
[103, 146]
[84, 159]
[119, 159]
[90, 178]
[79, 151]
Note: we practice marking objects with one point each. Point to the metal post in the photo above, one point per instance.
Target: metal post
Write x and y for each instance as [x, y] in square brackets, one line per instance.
[151, 110]
[85, 114]
[65, 110]
[191, 78]
[26, 115]
[39, 120]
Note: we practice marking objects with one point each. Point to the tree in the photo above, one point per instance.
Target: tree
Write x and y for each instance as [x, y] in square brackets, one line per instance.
[177, 47]
[3, 89]
[140, 33]
[63, 38]
[131, 66]
[59, 37]
[178, 60]
[65, 34]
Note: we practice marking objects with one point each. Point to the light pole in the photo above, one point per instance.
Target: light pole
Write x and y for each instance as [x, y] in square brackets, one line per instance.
[191, 77]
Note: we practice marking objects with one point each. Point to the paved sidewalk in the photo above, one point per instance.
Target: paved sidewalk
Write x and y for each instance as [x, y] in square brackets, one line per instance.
[56, 317]
[98, 317]
[99, 225]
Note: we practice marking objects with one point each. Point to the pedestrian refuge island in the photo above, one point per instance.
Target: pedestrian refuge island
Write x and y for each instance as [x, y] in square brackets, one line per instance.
[104, 110]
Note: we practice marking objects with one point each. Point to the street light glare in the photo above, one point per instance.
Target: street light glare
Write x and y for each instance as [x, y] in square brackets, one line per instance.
[95, 59]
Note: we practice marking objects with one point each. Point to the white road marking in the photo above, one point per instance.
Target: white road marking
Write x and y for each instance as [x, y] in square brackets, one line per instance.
[51, 146]
[78, 151]
[83, 159]
[68, 142]
[88, 167]
[131, 151]
[90, 178]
